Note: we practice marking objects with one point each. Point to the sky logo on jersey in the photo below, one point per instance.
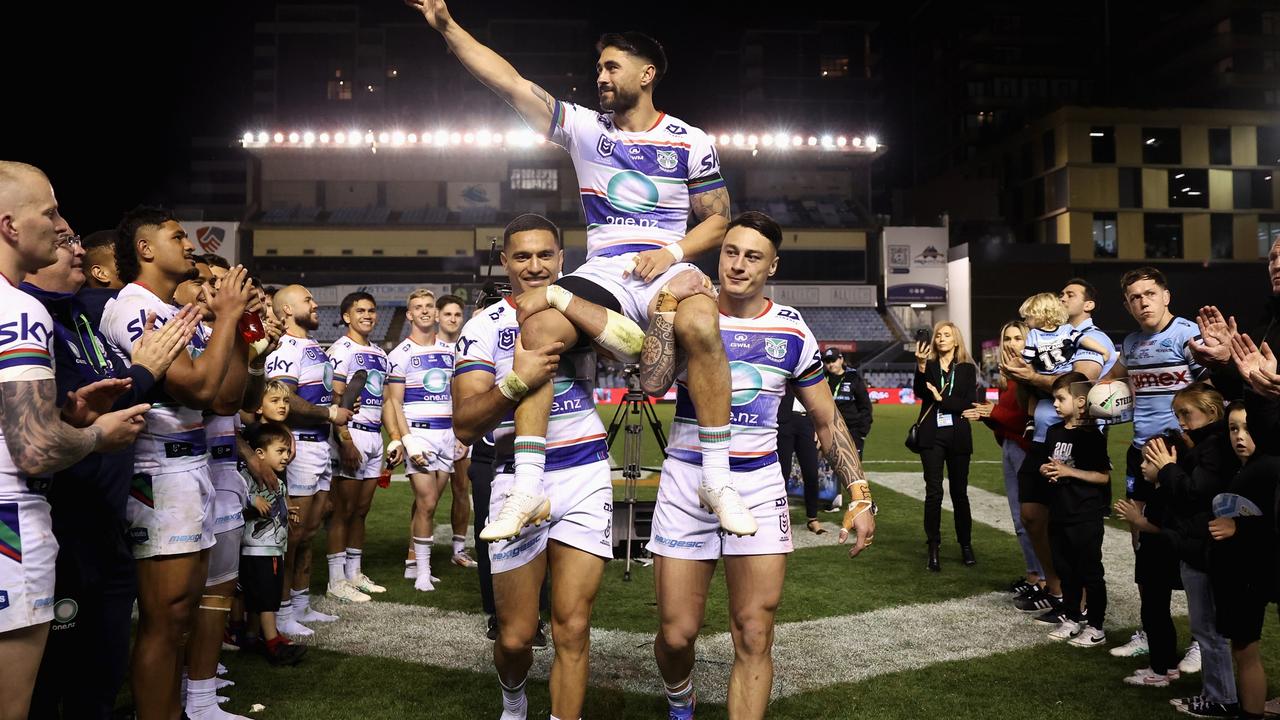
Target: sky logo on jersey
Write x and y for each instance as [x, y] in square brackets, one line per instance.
[605, 146]
[746, 382]
[631, 192]
[668, 160]
[24, 329]
[278, 366]
[775, 348]
[507, 339]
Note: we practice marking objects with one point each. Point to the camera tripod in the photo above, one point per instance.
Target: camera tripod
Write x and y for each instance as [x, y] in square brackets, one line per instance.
[627, 417]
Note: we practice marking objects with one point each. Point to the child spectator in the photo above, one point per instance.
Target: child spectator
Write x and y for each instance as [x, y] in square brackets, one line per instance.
[1074, 460]
[266, 535]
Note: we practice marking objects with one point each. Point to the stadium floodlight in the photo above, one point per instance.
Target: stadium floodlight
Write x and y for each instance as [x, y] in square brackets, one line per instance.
[497, 138]
[872, 143]
[857, 141]
[827, 141]
[308, 137]
[780, 139]
[248, 138]
[753, 140]
[278, 137]
[412, 138]
[455, 138]
[353, 137]
[324, 138]
[842, 141]
[368, 138]
[797, 141]
[767, 140]
[812, 141]
[483, 138]
[738, 140]
[262, 137]
[919, 306]
[384, 137]
[469, 138]
[293, 138]
[442, 137]
[340, 138]
[397, 138]
[725, 139]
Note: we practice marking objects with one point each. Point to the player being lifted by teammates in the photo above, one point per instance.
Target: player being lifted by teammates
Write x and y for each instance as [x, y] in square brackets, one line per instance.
[771, 347]
[640, 172]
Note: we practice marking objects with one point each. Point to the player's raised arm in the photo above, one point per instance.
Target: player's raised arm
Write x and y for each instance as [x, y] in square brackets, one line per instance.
[531, 101]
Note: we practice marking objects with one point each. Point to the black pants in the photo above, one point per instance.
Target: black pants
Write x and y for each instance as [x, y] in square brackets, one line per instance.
[796, 435]
[87, 656]
[1157, 623]
[262, 580]
[481, 474]
[957, 465]
[1077, 556]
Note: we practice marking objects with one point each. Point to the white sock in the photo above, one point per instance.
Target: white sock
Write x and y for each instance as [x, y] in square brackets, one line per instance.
[459, 544]
[422, 554]
[336, 572]
[284, 616]
[714, 442]
[199, 696]
[680, 695]
[353, 562]
[513, 699]
[530, 460]
[301, 600]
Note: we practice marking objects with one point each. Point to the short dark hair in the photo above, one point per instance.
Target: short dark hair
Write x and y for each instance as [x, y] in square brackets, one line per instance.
[639, 45]
[1090, 293]
[352, 298]
[1073, 382]
[527, 222]
[267, 433]
[100, 239]
[1143, 273]
[762, 224]
[450, 300]
[128, 267]
[214, 260]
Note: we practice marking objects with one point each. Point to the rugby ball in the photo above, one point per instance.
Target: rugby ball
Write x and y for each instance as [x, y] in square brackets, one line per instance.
[1111, 400]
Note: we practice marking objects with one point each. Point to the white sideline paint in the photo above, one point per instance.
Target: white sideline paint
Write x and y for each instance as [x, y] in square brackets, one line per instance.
[808, 655]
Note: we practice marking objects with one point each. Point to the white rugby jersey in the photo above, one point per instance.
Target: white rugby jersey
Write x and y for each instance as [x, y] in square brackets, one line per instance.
[174, 437]
[26, 354]
[426, 371]
[575, 434]
[301, 362]
[765, 353]
[1159, 365]
[1054, 352]
[220, 433]
[635, 186]
[349, 357]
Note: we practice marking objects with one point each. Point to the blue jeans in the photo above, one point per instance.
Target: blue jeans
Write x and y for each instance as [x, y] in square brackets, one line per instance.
[1215, 652]
[1012, 455]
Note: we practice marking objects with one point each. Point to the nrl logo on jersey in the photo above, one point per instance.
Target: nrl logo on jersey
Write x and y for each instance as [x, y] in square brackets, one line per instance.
[668, 160]
[775, 348]
[604, 146]
[507, 339]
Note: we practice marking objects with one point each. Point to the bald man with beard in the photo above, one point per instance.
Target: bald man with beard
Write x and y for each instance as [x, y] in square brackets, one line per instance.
[301, 363]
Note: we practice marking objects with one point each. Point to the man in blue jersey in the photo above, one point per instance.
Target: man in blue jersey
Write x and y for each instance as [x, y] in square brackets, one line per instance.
[640, 173]
[1079, 299]
[771, 350]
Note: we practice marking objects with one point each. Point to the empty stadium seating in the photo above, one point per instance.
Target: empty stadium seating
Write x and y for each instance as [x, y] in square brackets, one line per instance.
[846, 323]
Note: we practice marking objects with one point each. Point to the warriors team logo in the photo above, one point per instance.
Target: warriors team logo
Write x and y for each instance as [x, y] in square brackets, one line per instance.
[775, 348]
[668, 160]
[605, 146]
[507, 339]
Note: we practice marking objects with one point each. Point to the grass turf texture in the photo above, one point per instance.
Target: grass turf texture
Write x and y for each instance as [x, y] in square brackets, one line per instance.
[821, 582]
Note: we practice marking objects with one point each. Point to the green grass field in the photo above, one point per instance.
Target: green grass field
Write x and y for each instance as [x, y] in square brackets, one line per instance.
[1050, 681]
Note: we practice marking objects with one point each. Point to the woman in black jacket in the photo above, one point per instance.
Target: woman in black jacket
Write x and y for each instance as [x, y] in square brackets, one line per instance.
[946, 381]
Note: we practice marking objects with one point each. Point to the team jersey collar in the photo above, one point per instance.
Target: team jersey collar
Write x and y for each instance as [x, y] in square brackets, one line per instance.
[768, 305]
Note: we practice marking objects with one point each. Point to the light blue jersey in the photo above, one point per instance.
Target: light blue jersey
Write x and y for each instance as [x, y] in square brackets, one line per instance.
[1055, 352]
[1159, 365]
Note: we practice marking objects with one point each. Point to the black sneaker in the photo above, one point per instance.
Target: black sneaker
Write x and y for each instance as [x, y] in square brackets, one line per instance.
[492, 631]
[1019, 586]
[1031, 592]
[1200, 707]
[1052, 617]
[540, 638]
[1038, 603]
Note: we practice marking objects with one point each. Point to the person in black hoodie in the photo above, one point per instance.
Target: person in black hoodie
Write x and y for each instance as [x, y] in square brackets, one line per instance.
[1243, 558]
[88, 650]
[1192, 476]
[947, 381]
[101, 282]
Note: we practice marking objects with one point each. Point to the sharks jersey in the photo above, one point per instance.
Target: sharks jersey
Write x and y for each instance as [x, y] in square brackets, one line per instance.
[635, 186]
[174, 438]
[765, 353]
[301, 362]
[349, 357]
[1159, 365]
[26, 355]
[1053, 352]
[426, 371]
[575, 434]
